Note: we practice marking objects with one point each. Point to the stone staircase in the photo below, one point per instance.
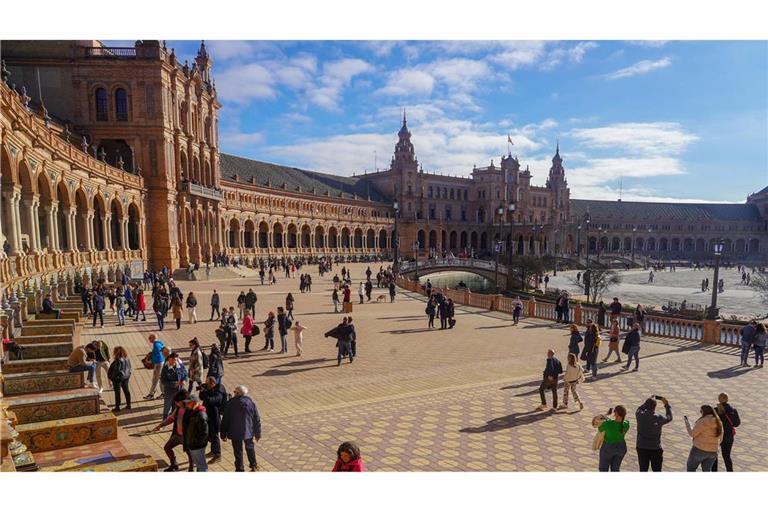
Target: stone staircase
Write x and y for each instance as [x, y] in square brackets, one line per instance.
[61, 422]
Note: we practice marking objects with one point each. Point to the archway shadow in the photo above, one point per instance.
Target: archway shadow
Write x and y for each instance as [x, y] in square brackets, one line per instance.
[728, 373]
[510, 421]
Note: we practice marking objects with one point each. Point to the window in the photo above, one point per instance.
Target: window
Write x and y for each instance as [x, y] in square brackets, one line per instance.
[101, 104]
[452, 194]
[465, 195]
[464, 215]
[429, 191]
[448, 213]
[150, 99]
[121, 105]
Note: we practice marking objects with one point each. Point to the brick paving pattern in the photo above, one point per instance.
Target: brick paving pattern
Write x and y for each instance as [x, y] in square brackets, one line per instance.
[421, 400]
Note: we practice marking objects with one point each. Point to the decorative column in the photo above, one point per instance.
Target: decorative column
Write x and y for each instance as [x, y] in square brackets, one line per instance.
[35, 224]
[53, 227]
[89, 236]
[107, 230]
[72, 228]
[124, 235]
[11, 199]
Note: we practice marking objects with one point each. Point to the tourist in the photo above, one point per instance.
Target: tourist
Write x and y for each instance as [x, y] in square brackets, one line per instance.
[614, 447]
[632, 347]
[747, 337]
[552, 371]
[81, 360]
[707, 433]
[101, 356]
[335, 299]
[214, 397]
[177, 438]
[195, 364]
[392, 291]
[247, 330]
[361, 292]
[640, 315]
[516, 310]
[729, 418]
[250, 302]
[141, 306]
[172, 379]
[215, 364]
[559, 308]
[159, 306]
[615, 308]
[241, 424]
[442, 310]
[261, 276]
[176, 309]
[342, 333]
[119, 374]
[120, 306]
[758, 342]
[215, 304]
[348, 458]
[283, 324]
[195, 432]
[368, 290]
[575, 339]
[48, 308]
[613, 341]
[269, 332]
[649, 424]
[450, 311]
[650, 277]
[601, 310]
[574, 375]
[157, 359]
[298, 337]
[230, 330]
[240, 305]
[289, 302]
[431, 310]
[591, 347]
[98, 309]
[85, 298]
[352, 337]
[191, 304]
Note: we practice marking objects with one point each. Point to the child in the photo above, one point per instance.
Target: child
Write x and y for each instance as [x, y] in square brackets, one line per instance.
[574, 375]
[298, 332]
[348, 458]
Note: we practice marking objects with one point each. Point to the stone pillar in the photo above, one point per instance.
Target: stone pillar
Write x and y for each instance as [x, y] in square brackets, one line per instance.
[124, 243]
[577, 315]
[710, 331]
[53, 227]
[72, 229]
[89, 238]
[531, 307]
[11, 200]
[106, 223]
[35, 224]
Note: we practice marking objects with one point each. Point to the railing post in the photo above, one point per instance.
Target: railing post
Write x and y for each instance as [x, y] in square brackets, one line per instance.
[532, 307]
[577, 313]
[710, 331]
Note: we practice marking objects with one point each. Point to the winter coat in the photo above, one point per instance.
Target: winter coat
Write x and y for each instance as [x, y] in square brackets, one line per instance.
[173, 375]
[282, 326]
[730, 420]
[241, 419]
[573, 344]
[356, 465]
[177, 309]
[194, 428]
[196, 365]
[215, 365]
[140, 304]
[214, 399]
[269, 327]
[247, 328]
[119, 370]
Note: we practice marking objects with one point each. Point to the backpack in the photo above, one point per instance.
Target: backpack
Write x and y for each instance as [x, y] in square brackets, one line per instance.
[733, 420]
[205, 360]
[288, 323]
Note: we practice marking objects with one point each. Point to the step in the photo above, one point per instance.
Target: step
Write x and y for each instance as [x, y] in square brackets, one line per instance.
[43, 338]
[47, 350]
[29, 364]
[54, 405]
[41, 330]
[67, 432]
[39, 382]
[65, 315]
[106, 456]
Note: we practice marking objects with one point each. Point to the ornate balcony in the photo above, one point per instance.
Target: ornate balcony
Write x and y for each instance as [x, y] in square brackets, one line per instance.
[200, 190]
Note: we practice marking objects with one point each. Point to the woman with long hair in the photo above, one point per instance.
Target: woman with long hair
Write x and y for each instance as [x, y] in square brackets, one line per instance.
[573, 343]
[176, 309]
[758, 343]
[574, 375]
[215, 364]
[729, 417]
[707, 433]
[120, 373]
[348, 458]
[613, 341]
[614, 448]
[247, 330]
[591, 348]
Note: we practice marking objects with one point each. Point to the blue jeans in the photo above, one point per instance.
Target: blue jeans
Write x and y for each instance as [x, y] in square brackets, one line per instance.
[345, 348]
[284, 343]
[215, 444]
[250, 451]
[759, 354]
[90, 368]
[592, 361]
[168, 404]
[634, 351]
[700, 457]
[120, 316]
[611, 456]
[198, 459]
[745, 351]
[160, 320]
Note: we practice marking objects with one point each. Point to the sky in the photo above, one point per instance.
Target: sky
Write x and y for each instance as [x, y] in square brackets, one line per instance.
[640, 120]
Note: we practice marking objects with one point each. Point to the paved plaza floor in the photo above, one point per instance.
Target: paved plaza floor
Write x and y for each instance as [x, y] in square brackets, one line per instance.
[429, 400]
[683, 284]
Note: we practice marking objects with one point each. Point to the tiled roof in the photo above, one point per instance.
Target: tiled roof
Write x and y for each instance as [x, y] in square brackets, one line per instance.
[628, 211]
[296, 179]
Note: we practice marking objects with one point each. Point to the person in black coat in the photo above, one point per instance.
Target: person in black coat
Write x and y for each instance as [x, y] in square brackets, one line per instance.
[442, 308]
[601, 310]
[194, 431]
[241, 424]
[214, 398]
[573, 343]
[552, 372]
[729, 416]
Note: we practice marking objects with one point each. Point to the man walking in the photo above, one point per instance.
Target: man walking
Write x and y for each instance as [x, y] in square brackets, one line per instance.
[215, 305]
[250, 302]
[158, 358]
[283, 324]
[649, 424]
[241, 424]
[552, 372]
[172, 378]
[632, 347]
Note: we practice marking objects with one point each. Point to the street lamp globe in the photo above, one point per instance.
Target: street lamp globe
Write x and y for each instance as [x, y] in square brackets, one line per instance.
[719, 246]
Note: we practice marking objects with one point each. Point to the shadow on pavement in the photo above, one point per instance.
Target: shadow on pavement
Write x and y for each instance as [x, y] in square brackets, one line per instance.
[276, 372]
[509, 421]
[410, 331]
[727, 373]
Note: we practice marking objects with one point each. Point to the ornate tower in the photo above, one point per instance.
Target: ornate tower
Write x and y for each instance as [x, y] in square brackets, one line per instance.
[558, 186]
[405, 166]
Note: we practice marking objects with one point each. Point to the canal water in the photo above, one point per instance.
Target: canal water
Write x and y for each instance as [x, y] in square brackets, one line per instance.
[474, 282]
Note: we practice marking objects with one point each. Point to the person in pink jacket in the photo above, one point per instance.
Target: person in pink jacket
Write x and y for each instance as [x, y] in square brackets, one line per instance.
[348, 458]
[247, 331]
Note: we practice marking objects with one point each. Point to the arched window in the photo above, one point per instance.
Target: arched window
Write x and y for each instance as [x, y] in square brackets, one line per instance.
[101, 104]
[121, 105]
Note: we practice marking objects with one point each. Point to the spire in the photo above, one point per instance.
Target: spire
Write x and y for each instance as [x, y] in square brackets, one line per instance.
[202, 52]
[557, 151]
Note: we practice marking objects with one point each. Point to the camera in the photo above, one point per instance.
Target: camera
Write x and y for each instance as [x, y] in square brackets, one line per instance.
[657, 397]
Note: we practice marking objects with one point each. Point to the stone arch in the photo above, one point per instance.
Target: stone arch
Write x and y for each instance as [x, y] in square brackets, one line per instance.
[81, 219]
[432, 239]
[45, 200]
[263, 235]
[663, 244]
[64, 198]
[333, 237]
[305, 240]
[627, 246]
[443, 239]
[134, 227]
[675, 247]
[651, 244]
[234, 232]
[358, 238]
[463, 240]
[688, 245]
[277, 235]
[345, 238]
[370, 239]
[421, 238]
[700, 245]
[473, 241]
[293, 236]
[115, 223]
[382, 239]
[319, 237]
[740, 246]
[249, 238]
[99, 214]
[183, 171]
[452, 239]
[483, 241]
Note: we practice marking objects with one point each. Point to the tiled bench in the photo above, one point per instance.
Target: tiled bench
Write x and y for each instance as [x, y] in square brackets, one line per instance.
[64, 433]
[54, 405]
[39, 382]
[35, 364]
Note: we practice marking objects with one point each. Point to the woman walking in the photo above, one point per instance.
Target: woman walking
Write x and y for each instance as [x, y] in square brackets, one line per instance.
[517, 309]
[613, 341]
[215, 364]
[192, 307]
[591, 348]
[574, 375]
[298, 337]
[289, 300]
[335, 299]
[195, 369]
[269, 332]
[141, 306]
[614, 448]
[120, 373]
[247, 330]
[573, 343]
[176, 310]
[729, 417]
[240, 304]
[707, 433]
[431, 310]
[758, 343]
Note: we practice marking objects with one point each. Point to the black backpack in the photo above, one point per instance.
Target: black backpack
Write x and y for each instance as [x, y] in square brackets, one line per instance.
[288, 323]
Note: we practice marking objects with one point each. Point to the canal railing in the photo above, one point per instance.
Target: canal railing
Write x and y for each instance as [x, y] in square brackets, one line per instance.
[663, 326]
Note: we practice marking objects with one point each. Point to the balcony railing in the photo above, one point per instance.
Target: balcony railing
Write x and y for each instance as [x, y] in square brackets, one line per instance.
[110, 51]
[200, 190]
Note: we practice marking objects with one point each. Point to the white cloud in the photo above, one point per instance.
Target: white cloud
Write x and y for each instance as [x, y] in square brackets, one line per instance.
[336, 76]
[408, 82]
[648, 43]
[241, 84]
[639, 68]
[241, 140]
[519, 53]
[561, 54]
[659, 138]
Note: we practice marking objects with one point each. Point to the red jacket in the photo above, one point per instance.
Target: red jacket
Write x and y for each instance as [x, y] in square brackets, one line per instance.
[247, 328]
[140, 304]
[356, 465]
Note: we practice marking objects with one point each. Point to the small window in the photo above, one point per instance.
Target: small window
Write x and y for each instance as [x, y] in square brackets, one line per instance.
[101, 104]
[121, 105]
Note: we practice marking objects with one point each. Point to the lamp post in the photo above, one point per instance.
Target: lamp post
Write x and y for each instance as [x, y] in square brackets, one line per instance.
[396, 241]
[556, 246]
[416, 256]
[713, 307]
[634, 231]
[578, 241]
[497, 248]
[586, 271]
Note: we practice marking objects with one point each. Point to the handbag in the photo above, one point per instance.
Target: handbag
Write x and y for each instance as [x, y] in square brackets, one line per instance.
[147, 362]
[597, 441]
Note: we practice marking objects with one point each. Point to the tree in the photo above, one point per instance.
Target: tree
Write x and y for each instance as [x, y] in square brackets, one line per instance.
[600, 281]
[759, 282]
[522, 269]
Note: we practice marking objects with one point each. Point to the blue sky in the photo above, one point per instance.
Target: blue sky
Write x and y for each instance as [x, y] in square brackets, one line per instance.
[678, 120]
